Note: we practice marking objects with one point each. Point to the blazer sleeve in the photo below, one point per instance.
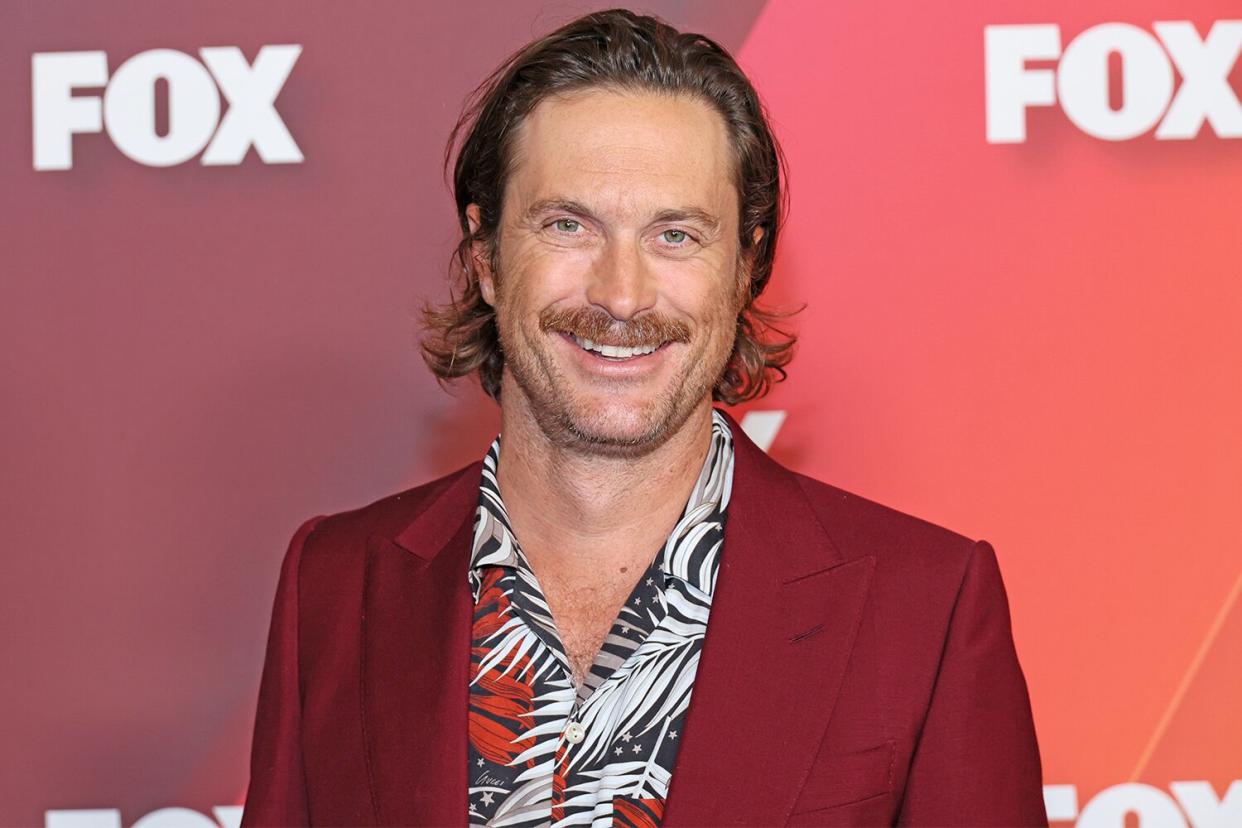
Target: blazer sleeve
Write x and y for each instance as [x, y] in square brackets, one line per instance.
[977, 759]
[277, 791]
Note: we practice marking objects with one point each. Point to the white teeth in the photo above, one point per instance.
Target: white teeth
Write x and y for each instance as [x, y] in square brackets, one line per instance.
[614, 351]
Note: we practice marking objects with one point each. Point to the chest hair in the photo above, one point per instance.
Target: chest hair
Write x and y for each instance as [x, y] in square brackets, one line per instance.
[584, 613]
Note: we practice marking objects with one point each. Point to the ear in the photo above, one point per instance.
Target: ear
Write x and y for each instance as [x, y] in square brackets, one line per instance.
[756, 236]
[480, 261]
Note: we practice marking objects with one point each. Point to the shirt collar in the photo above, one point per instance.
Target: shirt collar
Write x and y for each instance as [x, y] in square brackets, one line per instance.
[691, 552]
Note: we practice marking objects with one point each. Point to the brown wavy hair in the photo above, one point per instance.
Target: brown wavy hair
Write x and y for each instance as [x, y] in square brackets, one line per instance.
[614, 49]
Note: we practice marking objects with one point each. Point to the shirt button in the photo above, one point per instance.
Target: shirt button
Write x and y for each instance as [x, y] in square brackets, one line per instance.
[575, 733]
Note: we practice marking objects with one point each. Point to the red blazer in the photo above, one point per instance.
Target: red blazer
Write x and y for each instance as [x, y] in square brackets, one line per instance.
[858, 669]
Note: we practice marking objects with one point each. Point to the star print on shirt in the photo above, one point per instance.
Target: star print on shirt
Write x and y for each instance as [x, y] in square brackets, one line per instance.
[522, 691]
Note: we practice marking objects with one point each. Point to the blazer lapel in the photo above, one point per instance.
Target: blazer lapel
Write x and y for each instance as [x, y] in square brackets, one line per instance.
[783, 620]
[417, 620]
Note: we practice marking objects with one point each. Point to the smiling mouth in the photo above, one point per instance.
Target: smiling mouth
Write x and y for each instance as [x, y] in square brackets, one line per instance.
[616, 353]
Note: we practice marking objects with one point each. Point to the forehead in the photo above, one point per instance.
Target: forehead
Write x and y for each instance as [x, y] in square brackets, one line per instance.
[625, 151]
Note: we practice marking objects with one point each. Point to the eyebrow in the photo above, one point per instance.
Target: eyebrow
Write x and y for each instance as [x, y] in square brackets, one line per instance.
[690, 214]
[556, 205]
[565, 205]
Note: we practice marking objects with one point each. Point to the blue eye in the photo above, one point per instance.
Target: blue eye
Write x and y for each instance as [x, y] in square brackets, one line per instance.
[675, 237]
[567, 225]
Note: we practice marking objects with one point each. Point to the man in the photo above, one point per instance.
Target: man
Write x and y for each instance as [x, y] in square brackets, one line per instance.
[627, 614]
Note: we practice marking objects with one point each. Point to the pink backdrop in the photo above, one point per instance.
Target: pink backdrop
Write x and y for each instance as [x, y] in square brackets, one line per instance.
[1036, 343]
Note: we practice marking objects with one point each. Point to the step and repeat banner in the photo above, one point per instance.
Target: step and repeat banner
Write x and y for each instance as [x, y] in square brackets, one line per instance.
[1015, 227]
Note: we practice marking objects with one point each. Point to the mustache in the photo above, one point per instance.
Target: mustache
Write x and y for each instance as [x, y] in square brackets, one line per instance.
[650, 329]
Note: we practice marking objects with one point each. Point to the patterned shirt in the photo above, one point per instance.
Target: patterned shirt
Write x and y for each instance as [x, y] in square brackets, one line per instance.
[544, 753]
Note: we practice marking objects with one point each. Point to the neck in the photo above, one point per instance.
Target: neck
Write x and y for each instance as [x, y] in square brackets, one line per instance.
[581, 513]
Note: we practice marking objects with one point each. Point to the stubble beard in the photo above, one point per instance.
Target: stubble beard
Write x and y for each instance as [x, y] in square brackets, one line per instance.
[565, 417]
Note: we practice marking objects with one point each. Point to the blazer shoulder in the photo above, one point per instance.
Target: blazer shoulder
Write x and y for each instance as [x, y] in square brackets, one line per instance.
[921, 570]
[900, 541]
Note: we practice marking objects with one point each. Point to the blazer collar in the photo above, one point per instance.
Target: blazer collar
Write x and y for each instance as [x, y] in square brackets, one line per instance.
[764, 491]
[782, 626]
[430, 531]
[416, 660]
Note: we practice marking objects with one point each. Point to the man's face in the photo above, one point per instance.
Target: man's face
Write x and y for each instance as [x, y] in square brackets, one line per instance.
[617, 286]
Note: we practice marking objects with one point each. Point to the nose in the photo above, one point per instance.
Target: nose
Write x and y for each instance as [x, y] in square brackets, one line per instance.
[620, 281]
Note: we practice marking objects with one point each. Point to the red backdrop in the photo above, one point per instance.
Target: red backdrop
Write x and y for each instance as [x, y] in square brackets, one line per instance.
[1032, 342]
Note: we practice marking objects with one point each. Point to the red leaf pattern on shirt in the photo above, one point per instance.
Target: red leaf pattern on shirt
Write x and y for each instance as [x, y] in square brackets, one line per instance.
[496, 714]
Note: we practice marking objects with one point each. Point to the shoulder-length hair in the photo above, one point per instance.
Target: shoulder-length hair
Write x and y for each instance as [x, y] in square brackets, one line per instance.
[620, 50]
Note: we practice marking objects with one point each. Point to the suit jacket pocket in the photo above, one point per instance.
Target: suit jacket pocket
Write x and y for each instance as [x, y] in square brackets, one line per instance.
[842, 778]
